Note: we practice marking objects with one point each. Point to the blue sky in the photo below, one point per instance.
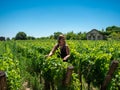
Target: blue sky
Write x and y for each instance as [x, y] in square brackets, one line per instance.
[40, 18]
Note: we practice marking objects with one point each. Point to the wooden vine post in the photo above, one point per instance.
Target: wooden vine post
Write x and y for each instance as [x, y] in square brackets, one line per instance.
[109, 75]
[3, 82]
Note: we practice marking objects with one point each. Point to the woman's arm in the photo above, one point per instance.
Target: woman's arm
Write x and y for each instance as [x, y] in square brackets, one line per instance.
[53, 50]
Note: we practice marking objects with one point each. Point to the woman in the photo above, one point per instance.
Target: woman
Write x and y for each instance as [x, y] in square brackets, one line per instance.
[64, 49]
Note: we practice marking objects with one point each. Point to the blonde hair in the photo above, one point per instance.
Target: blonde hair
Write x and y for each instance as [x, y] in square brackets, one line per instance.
[61, 36]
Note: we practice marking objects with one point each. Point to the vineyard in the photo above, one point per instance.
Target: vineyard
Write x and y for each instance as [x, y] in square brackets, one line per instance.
[26, 61]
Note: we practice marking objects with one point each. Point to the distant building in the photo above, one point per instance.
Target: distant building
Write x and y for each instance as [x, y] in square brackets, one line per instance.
[95, 35]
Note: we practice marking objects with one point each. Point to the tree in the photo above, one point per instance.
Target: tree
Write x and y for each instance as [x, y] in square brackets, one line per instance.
[83, 36]
[56, 34]
[79, 35]
[2, 38]
[21, 36]
[114, 36]
[113, 32]
[7, 38]
[51, 37]
[113, 29]
[30, 38]
[71, 36]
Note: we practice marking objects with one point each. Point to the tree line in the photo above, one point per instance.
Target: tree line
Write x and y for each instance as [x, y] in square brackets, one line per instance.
[111, 32]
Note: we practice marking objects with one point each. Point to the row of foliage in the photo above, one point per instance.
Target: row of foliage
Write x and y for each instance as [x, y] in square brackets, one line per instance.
[25, 61]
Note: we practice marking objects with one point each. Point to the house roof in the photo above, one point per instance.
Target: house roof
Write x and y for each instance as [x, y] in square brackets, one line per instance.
[94, 30]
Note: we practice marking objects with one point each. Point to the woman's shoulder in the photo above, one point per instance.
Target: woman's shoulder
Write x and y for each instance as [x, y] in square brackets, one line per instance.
[66, 46]
[56, 45]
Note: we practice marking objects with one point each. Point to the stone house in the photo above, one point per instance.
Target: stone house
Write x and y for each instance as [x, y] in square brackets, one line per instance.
[95, 35]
